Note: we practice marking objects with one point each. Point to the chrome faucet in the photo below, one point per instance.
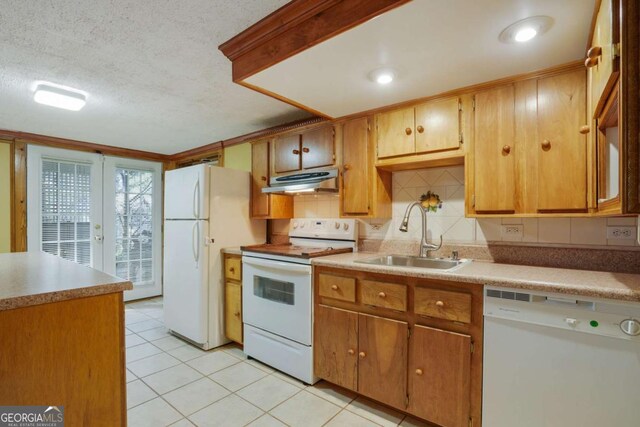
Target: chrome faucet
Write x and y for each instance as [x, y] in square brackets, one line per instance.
[425, 247]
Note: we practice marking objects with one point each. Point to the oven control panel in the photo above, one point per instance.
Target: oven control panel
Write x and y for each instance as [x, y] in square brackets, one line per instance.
[334, 228]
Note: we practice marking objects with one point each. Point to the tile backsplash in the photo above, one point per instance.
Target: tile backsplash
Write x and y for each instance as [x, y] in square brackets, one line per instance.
[450, 221]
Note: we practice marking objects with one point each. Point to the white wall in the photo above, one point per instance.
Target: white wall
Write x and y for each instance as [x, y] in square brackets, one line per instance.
[450, 221]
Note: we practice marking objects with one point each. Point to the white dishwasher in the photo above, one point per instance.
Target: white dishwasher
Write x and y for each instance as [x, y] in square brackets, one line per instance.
[557, 361]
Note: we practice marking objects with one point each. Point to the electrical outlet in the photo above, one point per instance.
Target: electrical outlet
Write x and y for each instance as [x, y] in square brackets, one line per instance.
[512, 231]
[621, 233]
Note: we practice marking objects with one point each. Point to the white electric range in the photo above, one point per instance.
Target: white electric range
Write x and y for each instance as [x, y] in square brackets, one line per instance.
[277, 293]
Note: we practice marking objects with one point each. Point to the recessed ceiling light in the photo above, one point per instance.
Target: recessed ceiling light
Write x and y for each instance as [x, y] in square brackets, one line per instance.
[60, 96]
[382, 76]
[526, 29]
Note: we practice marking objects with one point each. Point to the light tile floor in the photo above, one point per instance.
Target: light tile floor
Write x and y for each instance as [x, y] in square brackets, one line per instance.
[170, 382]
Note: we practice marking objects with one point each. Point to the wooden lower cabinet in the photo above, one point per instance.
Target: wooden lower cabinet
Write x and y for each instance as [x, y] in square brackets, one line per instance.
[336, 346]
[382, 354]
[423, 361]
[439, 374]
[233, 311]
[233, 297]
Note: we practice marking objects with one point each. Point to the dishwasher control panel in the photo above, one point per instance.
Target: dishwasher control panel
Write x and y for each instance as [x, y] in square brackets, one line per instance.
[594, 316]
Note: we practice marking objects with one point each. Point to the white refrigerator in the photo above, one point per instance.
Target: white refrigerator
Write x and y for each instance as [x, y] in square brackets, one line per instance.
[206, 209]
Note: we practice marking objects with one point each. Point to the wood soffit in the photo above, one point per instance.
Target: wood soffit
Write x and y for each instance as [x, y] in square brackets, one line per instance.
[295, 27]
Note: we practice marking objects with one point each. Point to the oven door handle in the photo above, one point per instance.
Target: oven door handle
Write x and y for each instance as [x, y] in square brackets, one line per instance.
[277, 265]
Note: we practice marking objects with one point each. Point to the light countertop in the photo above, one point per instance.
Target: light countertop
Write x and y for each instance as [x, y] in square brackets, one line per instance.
[32, 278]
[232, 251]
[595, 284]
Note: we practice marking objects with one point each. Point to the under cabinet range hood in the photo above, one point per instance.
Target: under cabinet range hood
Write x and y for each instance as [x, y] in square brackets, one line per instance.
[306, 182]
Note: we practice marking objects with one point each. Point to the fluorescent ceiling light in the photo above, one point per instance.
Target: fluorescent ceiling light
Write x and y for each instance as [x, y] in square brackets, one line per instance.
[526, 29]
[382, 76]
[59, 97]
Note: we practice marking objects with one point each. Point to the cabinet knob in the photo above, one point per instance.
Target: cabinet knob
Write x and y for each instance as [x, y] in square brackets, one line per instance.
[585, 129]
[237, 314]
[420, 129]
[351, 351]
[439, 304]
[347, 167]
[546, 145]
[590, 62]
[408, 131]
[296, 152]
[361, 354]
[418, 371]
[232, 269]
[263, 178]
[506, 149]
[334, 287]
[305, 150]
[382, 295]
[594, 52]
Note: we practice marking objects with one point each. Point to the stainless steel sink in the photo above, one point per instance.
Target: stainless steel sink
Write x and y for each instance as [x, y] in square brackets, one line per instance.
[414, 261]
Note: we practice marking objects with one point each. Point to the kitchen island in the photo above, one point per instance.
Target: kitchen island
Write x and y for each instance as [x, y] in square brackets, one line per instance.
[62, 338]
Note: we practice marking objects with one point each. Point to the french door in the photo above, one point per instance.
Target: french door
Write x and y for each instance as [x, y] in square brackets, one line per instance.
[103, 212]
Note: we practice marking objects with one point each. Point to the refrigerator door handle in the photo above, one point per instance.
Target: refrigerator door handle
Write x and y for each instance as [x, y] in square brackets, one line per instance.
[195, 241]
[196, 199]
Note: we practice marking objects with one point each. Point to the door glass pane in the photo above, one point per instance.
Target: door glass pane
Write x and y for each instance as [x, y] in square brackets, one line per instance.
[66, 208]
[134, 225]
[274, 290]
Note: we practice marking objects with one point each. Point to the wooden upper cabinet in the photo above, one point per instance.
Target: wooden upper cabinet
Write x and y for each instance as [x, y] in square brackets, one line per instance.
[382, 354]
[318, 148]
[494, 155]
[266, 206]
[562, 161]
[356, 173]
[336, 346]
[438, 125]
[439, 376]
[286, 150]
[396, 133]
[603, 54]
[259, 178]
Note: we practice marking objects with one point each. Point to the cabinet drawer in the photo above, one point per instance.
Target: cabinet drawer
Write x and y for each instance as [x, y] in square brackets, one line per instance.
[443, 304]
[382, 294]
[337, 287]
[233, 268]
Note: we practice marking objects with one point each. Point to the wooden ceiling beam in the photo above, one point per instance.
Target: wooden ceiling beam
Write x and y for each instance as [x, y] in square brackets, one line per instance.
[295, 27]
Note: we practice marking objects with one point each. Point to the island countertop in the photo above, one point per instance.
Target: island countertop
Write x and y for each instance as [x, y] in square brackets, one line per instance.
[32, 278]
[596, 284]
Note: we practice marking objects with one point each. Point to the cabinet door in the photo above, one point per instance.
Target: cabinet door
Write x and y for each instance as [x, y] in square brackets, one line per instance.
[562, 156]
[606, 33]
[438, 125]
[336, 346]
[318, 148]
[395, 133]
[259, 178]
[495, 145]
[355, 175]
[287, 153]
[440, 376]
[382, 367]
[233, 311]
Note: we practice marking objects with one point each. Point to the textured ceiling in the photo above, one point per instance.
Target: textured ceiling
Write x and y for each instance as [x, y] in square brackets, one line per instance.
[155, 78]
